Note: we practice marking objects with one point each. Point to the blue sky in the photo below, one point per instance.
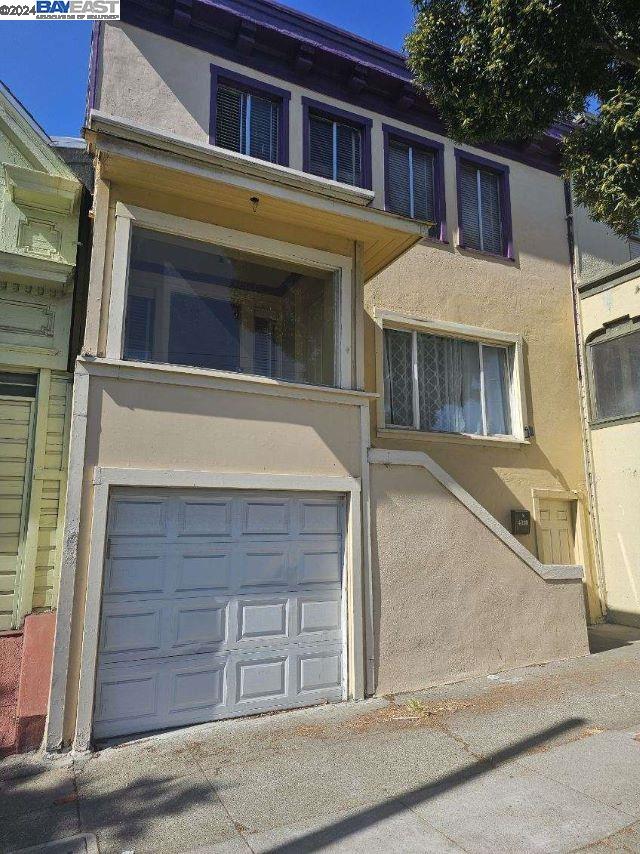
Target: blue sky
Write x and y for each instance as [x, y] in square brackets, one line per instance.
[45, 63]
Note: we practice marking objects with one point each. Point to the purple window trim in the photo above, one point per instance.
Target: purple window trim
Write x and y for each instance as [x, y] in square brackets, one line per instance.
[436, 148]
[250, 85]
[502, 170]
[363, 123]
[94, 54]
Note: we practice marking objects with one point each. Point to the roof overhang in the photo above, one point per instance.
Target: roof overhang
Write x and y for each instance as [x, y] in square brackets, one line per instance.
[136, 156]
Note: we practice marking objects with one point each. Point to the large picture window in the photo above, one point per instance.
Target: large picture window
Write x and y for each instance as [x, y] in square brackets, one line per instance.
[441, 384]
[615, 373]
[208, 306]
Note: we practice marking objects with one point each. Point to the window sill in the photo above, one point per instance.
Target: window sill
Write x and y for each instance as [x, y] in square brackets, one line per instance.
[482, 253]
[613, 422]
[209, 378]
[451, 438]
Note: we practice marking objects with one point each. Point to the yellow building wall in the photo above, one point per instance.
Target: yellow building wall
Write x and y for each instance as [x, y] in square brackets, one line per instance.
[615, 451]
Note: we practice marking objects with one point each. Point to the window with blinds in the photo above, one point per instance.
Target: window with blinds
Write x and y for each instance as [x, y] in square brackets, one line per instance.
[480, 209]
[247, 123]
[335, 150]
[411, 182]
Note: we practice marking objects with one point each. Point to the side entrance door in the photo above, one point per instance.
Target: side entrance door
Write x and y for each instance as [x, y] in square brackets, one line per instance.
[556, 531]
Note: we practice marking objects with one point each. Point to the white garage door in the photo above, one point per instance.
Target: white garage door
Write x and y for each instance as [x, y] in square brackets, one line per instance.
[217, 605]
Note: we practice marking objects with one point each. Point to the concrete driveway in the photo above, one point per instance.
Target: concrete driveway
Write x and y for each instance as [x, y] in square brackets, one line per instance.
[540, 759]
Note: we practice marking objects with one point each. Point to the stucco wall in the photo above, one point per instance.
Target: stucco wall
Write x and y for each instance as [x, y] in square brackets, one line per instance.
[150, 425]
[598, 248]
[444, 611]
[531, 297]
[616, 459]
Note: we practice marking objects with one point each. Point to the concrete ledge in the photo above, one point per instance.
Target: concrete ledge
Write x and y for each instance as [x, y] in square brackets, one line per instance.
[550, 572]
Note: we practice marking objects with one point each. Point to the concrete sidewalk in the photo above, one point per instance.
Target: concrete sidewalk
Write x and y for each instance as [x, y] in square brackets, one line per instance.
[540, 759]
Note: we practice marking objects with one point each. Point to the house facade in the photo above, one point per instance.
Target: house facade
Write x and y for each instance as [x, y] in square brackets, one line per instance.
[326, 436]
[39, 213]
[607, 285]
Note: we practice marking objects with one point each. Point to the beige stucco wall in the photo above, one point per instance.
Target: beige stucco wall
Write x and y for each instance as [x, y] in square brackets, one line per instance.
[616, 460]
[532, 298]
[444, 611]
[598, 248]
[150, 425]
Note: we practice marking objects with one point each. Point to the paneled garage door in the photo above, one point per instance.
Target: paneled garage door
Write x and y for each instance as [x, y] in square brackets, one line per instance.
[218, 605]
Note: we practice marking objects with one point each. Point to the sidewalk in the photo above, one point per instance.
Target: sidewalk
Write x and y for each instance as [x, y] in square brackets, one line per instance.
[539, 759]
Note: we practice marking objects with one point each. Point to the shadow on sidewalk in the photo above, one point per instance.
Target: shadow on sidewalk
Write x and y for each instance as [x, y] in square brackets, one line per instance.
[373, 815]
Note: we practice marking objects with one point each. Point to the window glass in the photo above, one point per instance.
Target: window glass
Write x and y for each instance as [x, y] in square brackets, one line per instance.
[247, 123]
[193, 303]
[616, 376]
[461, 386]
[480, 209]
[335, 150]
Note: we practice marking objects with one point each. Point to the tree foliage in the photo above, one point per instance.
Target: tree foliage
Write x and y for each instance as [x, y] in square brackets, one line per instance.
[506, 70]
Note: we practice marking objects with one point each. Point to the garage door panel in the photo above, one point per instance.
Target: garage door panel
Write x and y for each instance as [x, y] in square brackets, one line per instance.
[319, 563]
[262, 620]
[266, 516]
[201, 570]
[204, 518]
[135, 570]
[196, 687]
[132, 628]
[319, 670]
[262, 566]
[218, 605]
[197, 623]
[139, 517]
[318, 516]
[317, 614]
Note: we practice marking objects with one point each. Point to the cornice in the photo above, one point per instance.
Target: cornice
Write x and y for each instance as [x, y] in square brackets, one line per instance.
[24, 271]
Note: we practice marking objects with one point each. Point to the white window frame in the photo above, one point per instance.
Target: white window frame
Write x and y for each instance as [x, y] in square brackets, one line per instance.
[126, 216]
[494, 338]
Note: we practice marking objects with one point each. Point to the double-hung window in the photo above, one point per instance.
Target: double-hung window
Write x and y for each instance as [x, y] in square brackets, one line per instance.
[443, 384]
[249, 117]
[336, 146]
[484, 216]
[615, 374]
[414, 179]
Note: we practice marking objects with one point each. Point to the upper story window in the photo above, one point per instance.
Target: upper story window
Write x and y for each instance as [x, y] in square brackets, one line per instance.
[414, 179]
[634, 244]
[249, 116]
[442, 384]
[209, 306]
[615, 374]
[484, 212]
[336, 144]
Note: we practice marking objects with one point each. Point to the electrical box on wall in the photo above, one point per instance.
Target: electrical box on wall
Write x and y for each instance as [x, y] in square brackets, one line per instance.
[520, 522]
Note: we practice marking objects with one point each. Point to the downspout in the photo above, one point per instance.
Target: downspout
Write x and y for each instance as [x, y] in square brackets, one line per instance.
[584, 411]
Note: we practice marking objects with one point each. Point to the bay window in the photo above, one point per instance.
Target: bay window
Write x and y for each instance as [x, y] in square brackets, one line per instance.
[205, 305]
[443, 384]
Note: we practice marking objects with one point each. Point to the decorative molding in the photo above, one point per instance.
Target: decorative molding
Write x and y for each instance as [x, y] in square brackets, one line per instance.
[246, 38]
[549, 572]
[16, 313]
[40, 237]
[31, 270]
[41, 190]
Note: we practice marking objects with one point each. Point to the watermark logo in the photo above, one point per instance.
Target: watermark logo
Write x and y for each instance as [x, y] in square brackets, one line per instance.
[62, 10]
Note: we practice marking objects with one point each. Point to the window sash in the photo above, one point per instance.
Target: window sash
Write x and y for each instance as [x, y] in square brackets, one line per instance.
[247, 123]
[411, 181]
[615, 377]
[335, 150]
[481, 212]
[406, 407]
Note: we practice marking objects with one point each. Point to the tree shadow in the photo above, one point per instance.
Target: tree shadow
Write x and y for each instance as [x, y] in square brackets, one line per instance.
[340, 830]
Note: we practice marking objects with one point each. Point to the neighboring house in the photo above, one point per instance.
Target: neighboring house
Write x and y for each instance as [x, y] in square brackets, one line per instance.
[607, 281]
[329, 361]
[39, 212]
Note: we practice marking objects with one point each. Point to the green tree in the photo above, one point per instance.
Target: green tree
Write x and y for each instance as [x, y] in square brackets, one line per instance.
[507, 70]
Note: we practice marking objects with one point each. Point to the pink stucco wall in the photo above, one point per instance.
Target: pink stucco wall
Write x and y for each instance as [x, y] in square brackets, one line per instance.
[25, 674]
[10, 658]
